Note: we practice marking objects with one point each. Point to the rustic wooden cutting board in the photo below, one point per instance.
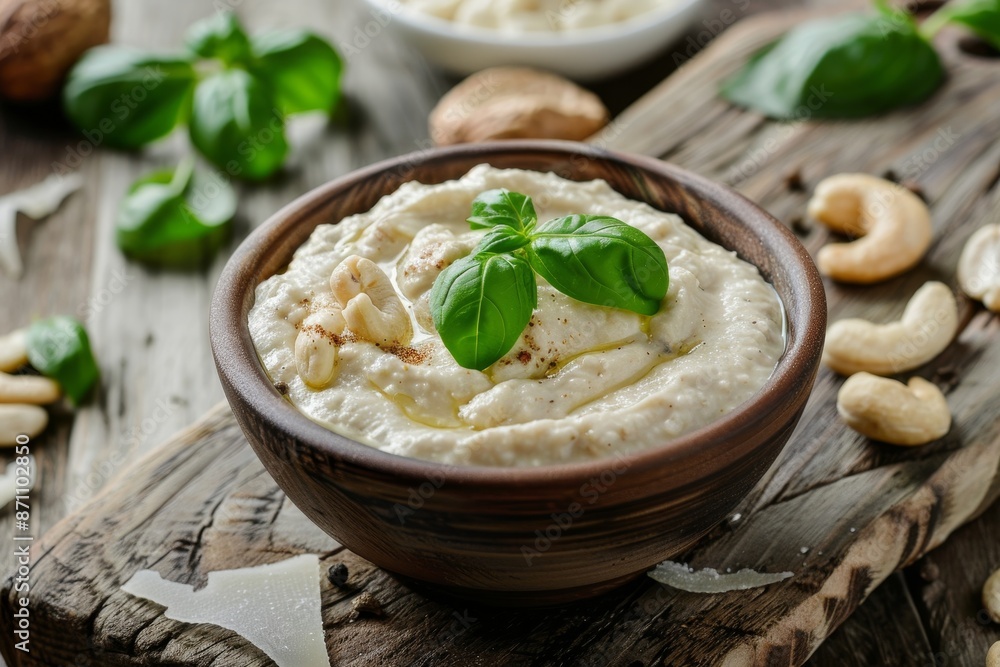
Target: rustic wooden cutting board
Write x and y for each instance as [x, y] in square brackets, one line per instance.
[839, 511]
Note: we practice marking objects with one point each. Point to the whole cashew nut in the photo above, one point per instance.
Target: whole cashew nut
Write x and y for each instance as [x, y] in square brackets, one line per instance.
[28, 389]
[894, 225]
[316, 347]
[979, 267]
[15, 420]
[890, 411]
[993, 656]
[991, 596]
[929, 323]
[372, 309]
[13, 351]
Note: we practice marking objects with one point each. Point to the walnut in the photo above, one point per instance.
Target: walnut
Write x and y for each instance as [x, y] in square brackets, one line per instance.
[516, 103]
[40, 40]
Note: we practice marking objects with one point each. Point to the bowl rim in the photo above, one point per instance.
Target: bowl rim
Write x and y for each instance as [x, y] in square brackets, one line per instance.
[242, 372]
[580, 37]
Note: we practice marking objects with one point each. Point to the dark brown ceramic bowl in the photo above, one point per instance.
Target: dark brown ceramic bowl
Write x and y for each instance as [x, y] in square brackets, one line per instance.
[522, 535]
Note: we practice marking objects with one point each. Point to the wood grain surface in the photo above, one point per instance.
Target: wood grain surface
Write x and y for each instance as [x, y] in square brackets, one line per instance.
[160, 320]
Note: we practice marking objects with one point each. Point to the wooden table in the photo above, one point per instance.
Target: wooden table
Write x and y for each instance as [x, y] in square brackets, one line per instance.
[149, 328]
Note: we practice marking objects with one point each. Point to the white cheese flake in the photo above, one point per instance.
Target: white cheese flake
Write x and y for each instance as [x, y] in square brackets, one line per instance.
[679, 575]
[275, 607]
[36, 202]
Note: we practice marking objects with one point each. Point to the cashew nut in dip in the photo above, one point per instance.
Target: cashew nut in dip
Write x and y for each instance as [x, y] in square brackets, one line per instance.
[13, 350]
[28, 389]
[991, 596]
[890, 411]
[979, 267]
[15, 420]
[928, 325]
[894, 226]
[316, 346]
[372, 308]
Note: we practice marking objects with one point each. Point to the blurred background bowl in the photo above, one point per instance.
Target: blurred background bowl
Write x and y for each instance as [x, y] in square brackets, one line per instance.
[584, 54]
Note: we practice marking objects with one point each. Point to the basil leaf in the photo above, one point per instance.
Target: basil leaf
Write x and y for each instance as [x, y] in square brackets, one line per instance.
[481, 305]
[501, 239]
[980, 16]
[58, 347]
[175, 219]
[845, 67]
[235, 124]
[302, 69]
[601, 260]
[125, 98]
[219, 36]
[503, 207]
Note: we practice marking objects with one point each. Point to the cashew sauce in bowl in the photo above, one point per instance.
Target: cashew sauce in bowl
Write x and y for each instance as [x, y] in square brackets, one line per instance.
[582, 383]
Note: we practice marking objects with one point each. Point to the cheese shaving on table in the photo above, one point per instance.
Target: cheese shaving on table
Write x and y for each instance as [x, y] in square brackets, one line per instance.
[36, 202]
[275, 607]
[708, 580]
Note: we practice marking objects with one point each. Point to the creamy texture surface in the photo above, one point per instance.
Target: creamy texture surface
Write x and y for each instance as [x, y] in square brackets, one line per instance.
[582, 382]
[536, 15]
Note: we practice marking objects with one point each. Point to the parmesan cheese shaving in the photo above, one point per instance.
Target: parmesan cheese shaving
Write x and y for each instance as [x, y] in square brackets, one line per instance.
[679, 575]
[275, 607]
[36, 202]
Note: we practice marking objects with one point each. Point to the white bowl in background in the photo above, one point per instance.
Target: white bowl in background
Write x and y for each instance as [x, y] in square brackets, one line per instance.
[583, 54]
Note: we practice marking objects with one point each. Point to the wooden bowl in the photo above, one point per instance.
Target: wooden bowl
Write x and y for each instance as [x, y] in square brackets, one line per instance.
[520, 536]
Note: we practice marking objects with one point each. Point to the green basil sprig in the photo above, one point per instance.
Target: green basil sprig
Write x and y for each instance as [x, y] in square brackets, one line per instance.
[980, 16]
[844, 67]
[302, 70]
[233, 124]
[124, 98]
[58, 347]
[482, 303]
[175, 218]
[232, 90]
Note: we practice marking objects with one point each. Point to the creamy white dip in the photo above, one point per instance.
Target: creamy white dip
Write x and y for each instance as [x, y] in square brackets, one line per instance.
[536, 15]
[582, 382]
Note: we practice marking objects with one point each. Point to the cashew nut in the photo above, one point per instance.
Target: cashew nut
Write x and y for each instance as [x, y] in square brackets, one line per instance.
[993, 656]
[979, 267]
[13, 350]
[372, 309]
[316, 347]
[991, 596]
[894, 225]
[28, 389]
[890, 411]
[928, 326]
[15, 420]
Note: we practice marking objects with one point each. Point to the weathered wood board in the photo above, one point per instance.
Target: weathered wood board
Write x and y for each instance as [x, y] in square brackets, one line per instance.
[841, 512]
